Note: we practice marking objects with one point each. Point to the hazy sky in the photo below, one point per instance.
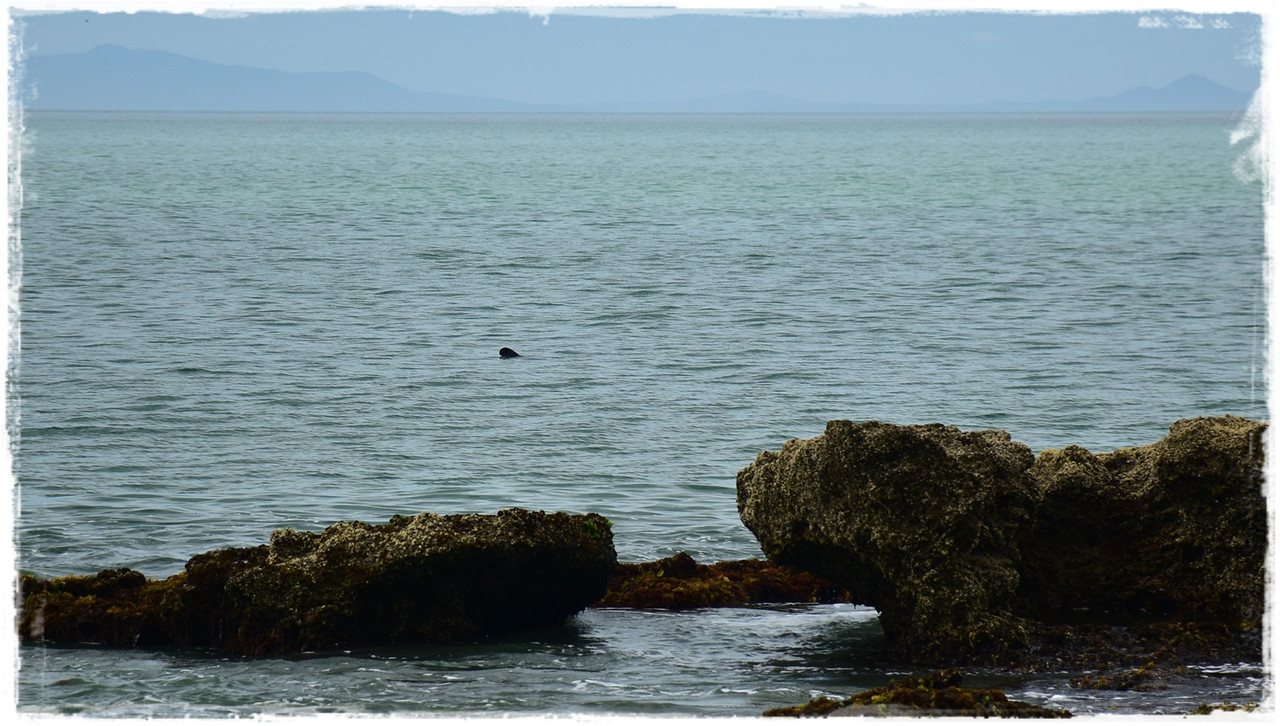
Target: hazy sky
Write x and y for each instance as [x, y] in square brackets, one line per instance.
[571, 58]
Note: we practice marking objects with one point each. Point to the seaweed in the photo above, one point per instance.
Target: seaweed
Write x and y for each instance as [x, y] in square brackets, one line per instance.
[936, 694]
[680, 583]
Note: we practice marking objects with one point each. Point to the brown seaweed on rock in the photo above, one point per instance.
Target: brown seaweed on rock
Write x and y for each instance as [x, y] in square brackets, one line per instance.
[680, 583]
[937, 694]
[413, 579]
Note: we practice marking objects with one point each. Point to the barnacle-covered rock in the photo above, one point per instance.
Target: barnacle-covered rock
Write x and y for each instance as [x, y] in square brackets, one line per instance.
[422, 578]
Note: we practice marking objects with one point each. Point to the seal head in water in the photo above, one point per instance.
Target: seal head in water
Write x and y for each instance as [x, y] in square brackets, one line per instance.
[508, 353]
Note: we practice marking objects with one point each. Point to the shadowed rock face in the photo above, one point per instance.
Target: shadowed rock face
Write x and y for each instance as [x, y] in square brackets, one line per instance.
[422, 578]
[976, 552]
[1175, 530]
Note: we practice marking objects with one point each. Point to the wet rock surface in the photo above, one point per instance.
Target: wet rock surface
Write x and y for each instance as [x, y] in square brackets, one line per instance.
[976, 552]
[1149, 677]
[937, 694]
[413, 579]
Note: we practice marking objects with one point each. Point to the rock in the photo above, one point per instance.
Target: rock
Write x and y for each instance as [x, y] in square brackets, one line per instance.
[414, 579]
[1206, 709]
[1105, 648]
[680, 583]
[937, 694]
[108, 608]
[1174, 530]
[921, 522]
[1149, 677]
[977, 553]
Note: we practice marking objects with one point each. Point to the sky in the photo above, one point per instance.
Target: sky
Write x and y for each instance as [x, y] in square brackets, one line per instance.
[576, 57]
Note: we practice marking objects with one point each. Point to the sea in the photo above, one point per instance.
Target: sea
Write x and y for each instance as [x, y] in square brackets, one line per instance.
[233, 323]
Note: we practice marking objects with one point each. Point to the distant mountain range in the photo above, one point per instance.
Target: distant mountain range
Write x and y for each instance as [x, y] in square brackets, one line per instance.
[111, 78]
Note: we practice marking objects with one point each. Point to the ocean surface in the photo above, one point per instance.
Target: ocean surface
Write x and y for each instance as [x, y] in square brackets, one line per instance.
[235, 323]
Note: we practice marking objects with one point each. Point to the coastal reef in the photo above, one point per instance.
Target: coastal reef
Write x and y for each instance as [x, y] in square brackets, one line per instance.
[680, 583]
[975, 551]
[937, 694]
[414, 579]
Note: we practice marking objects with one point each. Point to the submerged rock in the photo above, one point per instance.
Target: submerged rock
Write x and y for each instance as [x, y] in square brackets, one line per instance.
[937, 694]
[976, 552]
[1205, 709]
[680, 583]
[414, 579]
[1149, 677]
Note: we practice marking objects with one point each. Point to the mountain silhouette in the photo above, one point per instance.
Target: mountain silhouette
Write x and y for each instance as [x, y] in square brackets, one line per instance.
[1189, 93]
[111, 78]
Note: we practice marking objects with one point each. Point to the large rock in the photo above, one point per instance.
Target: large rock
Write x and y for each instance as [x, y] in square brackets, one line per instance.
[421, 578]
[976, 552]
[921, 522]
[1174, 530]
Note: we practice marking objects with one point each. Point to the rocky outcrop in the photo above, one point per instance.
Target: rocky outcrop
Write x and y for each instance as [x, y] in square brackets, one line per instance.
[1175, 530]
[680, 583]
[413, 579]
[974, 551]
[920, 522]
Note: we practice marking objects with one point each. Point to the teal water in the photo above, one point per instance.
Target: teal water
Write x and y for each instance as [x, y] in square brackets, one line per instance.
[235, 323]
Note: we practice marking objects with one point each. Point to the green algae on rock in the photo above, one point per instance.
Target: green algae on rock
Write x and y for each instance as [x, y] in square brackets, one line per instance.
[937, 694]
[413, 579]
[680, 583]
[975, 552]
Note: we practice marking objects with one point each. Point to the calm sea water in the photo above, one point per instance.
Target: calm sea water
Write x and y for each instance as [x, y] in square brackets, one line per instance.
[235, 323]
